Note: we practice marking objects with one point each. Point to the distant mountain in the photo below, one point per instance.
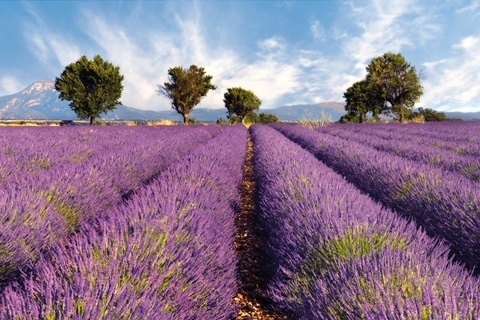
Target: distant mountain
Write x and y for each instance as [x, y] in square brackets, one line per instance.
[40, 101]
[332, 110]
[463, 115]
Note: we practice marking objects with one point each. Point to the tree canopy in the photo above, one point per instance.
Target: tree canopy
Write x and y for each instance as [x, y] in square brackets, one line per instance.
[396, 82]
[93, 87]
[240, 102]
[392, 86]
[265, 118]
[360, 99]
[186, 88]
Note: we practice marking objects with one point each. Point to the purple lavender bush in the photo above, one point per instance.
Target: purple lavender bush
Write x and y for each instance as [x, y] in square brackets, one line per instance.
[461, 137]
[334, 253]
[446, 205]
[54, 179]
[166, 253]
[426, 152]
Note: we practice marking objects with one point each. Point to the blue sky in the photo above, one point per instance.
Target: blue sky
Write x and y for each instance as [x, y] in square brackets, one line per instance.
[286, 52]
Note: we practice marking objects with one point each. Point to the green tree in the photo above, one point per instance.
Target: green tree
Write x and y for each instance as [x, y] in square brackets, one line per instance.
[431, 115]
[361, 98]
[349, 117]
[395, 83]
[186, 88]
[93, 87]
[252, 117]
[265, 118]
[221, 121]
[240, 102]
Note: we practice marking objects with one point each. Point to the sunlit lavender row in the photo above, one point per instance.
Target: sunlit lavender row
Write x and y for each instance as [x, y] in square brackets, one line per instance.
[167, 253]
[54, 179]
[425, 152]
[336, 254]
[446, 205]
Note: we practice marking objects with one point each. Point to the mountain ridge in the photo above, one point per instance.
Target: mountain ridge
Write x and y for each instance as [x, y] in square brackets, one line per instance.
[40, 101]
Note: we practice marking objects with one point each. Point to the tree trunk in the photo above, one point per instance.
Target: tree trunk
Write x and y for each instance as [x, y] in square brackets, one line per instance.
[402, 117]
[185, 118]
[91, 121]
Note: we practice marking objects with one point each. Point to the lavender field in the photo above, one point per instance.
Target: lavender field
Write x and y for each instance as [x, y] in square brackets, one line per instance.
[372, 221]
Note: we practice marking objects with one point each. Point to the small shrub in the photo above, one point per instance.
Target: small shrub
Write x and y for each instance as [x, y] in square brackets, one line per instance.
[222, 121]
[313, 122]
[163, 122]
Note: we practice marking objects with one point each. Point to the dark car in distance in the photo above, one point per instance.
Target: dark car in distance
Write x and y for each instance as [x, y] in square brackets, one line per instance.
[67, 123]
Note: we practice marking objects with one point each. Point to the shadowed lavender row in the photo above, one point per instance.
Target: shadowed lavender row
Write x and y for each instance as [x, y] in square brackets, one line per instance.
[468, 166]
[167, 253]
[335, 254]
[446, 205]
[41, 206]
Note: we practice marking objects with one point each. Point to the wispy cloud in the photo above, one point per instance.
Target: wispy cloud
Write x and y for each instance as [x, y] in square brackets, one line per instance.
[473, 6]
[271, 76]
[317, 30]
[455, 80]
[9, 85]
[273, 43]
[382, 27]
[50, 47]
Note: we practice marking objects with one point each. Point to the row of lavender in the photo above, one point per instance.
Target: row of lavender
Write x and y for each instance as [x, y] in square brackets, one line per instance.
[336, 254]
[167, 253]
[445, 204]
[53, 179]
[460, 137]
[389, 138]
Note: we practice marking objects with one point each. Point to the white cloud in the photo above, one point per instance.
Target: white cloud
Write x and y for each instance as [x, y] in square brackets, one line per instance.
[268, 79]
[431, 65]
[382, 30]
[274, 43]
[322, 78]
[10, 85]
[317, 31]
[453, 83]
[48, 46]
[141, 64]
[271, 76]
[468, 43]
[472, 7]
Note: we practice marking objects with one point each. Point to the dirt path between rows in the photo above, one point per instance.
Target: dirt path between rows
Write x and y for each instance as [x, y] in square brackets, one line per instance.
[251, 299]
